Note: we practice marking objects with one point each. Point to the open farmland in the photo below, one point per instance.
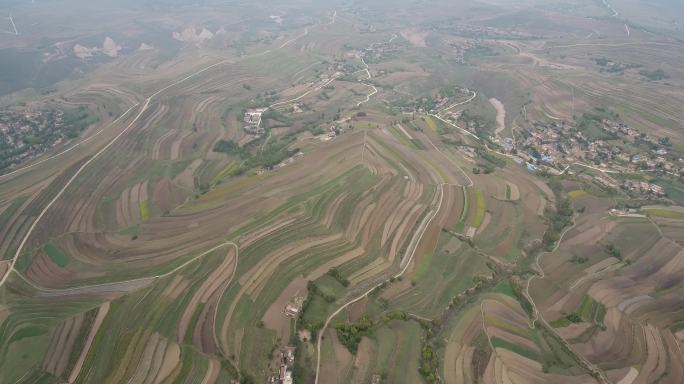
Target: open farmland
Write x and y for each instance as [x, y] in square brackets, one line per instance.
[342, 192]
[598, 305]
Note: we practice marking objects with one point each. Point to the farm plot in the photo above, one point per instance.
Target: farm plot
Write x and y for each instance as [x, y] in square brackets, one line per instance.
[139, 356]
[133, 206]
[522, 352]
[380, 353]
[164, 261]
[602, 307]
[437, 279]
[502, 237]
[466, 355]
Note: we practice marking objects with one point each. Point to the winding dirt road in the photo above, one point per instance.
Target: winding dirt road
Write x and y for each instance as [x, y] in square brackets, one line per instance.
[413, 246]
[93, 158]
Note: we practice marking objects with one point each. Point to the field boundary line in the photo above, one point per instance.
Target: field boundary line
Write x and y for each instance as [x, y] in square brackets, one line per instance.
[538, 317]
[155, 277]
[218, 301]
[95, 156]
[470, 181]
[420, 233]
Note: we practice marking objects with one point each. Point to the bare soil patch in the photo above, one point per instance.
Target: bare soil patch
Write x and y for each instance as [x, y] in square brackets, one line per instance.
[364, 354]
[275, 318]
[101, 314]
[415, 36]
[500, 115]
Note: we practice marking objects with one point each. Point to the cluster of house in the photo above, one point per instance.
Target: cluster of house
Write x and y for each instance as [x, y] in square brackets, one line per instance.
[28, 134]
[559, 145]
[461, 48]
[285, 358]
[643, 187]
[467, 152]
[620, 128]
[252, 120]
[379, 51]
[289, 160]
[551, 142]
[485, 32]
[293, 308]
[508, 144]
[438, 102]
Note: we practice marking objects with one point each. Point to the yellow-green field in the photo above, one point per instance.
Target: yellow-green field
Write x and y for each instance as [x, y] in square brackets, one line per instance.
[479, 208]
[665, 213]
[576, 193]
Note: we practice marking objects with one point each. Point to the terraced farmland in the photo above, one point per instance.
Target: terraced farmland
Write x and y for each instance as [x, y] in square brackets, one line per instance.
[321, 188]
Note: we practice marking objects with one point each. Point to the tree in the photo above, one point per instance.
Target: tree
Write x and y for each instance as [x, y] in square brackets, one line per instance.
[613, 251]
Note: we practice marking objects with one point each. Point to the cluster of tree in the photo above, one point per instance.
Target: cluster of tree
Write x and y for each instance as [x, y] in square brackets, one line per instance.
[395, 315]
[602, 61]
[268, 97]
[452, 91]
[489, 162]
[337, 275]
[495, 160]
[300, 371]
[522, 299]
[611, 66]
[479, 51]
[613, 251]
[475, 121]
[246, 378]
[558, 221]
[267, 157]
[424, 103]
[76, 121]
[665, 141]
[578, 259]
[272, 155]
[487, 169]
[574, 318]
[230, 147]
[228, 365]
[654, 75]
[313, 291]
[350, 334]
[591, 124]
[274, 119]
[376, 291]
[429, 364]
